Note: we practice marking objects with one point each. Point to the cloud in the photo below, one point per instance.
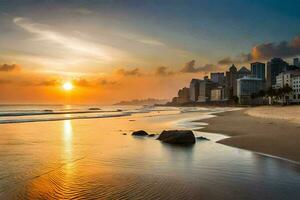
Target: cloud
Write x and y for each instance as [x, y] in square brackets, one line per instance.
[9, 68]
[75, 45]
[81, 82]
[163, 71]
[266, 51]
[81, 11]
[152, 42]
[284, 49]
[190, 67]
[133, 72]
[4, 81]
[106, 82]
[225, 61]
[52, 82]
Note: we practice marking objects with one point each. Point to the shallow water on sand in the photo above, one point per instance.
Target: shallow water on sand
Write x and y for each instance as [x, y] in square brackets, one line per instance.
[92, 159]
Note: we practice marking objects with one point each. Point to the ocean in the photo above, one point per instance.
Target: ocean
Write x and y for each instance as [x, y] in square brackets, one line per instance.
[87, 152]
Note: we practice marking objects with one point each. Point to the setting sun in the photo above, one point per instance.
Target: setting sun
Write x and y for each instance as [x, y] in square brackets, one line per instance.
[67, 86]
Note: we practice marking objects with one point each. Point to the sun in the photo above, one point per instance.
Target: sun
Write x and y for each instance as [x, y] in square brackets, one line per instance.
[67, 86]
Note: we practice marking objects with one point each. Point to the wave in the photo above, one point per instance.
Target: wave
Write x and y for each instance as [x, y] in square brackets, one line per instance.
[50, 112]
[8, 121]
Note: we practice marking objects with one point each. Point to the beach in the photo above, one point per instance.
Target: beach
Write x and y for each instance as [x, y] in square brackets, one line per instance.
[267, 129]
[75, 153]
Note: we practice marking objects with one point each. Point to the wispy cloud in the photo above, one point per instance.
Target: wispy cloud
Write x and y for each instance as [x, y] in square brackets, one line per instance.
[76, 45]
[152, 42]
[133, 72]
[9, 68]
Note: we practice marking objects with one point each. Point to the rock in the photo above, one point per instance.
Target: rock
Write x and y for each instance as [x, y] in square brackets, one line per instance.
[177, 137]
[94, 109]
[202, 138]
[140, 133]
[124, 133]
[151, 135]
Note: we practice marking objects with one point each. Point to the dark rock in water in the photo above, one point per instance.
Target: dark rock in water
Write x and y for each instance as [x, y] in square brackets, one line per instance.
[177, 137]
[124, 133]
[48, 110]
[132, 120]
[94, 109]
[202, 138]
[151, 135]
[119, 110]
[140, 133]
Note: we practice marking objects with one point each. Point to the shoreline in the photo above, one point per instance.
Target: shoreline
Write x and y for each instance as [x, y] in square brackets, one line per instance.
[248, 129]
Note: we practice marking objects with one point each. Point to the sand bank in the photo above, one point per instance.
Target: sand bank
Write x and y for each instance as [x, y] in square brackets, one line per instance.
[269, 130]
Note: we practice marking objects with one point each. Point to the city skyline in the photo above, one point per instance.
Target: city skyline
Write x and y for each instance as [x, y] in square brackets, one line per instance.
[121, 50]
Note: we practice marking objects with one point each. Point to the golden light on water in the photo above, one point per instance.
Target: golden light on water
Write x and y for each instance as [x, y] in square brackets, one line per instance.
[67, 86]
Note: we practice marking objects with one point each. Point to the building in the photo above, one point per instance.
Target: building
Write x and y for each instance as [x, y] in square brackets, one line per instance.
[183, 96]
[217, 94]
[194, 90]
[258, 70]
[217, 77]
[296, 89]
[296, 62]
[292, 79]
[205, 87]
[246, 87]
[243, 71]
[275, 67]
[230, 83]
[283, 79]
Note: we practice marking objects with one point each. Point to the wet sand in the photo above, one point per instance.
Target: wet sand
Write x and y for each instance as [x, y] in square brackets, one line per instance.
[259, 129]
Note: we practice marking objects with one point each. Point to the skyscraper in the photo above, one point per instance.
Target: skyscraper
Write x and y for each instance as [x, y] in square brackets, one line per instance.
[275, 67]
[258, 70]
[194, 90]
[231, 77]
[296, 62]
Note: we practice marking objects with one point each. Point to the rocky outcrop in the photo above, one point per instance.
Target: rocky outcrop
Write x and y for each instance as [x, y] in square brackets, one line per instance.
[202, 138]
[140, 133]
[177, 137]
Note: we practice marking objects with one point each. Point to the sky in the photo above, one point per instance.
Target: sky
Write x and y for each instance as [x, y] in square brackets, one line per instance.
[113, 50]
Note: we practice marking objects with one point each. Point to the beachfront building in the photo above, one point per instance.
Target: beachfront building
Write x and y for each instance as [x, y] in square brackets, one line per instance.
[242, 72]
[258, 70]
[183, 96]
[217, 77]
[296, 89]
[296, 62]
[194, 90]
[246, 87]
[275, 67]
[217, 94]
[291, 79]
[205, 87]
[230, 83]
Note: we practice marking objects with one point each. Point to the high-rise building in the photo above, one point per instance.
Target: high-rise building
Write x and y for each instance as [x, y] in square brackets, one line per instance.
[258, 70]
[217, 77]
[205, 87]
[296, 62]
[183, 95]
[242, 72]
[230, 86]
[247, 86]
[275, 67]
[194, 90]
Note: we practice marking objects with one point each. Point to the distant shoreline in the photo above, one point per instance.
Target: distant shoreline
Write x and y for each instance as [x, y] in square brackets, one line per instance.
[255, 129]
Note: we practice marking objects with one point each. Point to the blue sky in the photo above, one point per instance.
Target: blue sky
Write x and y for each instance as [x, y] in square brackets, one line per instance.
[208, 29]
